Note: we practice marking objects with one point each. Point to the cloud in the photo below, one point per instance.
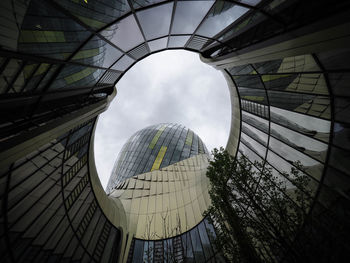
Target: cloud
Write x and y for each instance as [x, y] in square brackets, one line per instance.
[170, 86]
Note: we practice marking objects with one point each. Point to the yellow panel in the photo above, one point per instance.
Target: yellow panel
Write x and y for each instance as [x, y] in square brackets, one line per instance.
[159, 158]
[189, 138]
[86, 53]
[41, 36]
[79, 75]
[273, 77]
[156, 137]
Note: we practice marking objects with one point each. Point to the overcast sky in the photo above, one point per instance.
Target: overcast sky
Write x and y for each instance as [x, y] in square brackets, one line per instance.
[170, 86]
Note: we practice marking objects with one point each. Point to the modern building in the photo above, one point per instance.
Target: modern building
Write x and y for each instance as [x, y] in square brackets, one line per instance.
[286, 65]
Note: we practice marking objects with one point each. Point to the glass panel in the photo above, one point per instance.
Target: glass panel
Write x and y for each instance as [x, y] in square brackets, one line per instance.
[178, 41]
[205, 240]
[125, 33]
[342, 109]
[335, 59]
[197, 247]
[221, 15]
[47, 32]
[316, 149]
[142, 3]
[255, 121]
[288, 65]
[188, 15]
[251, 2]
[308, 104]
[252, 156]
[155, 22]
[187, 245]
[340, 83]
[138, 251]
[252, 81]
[252, 144]
[340, 159]
[312, 167]
[255, 133]
[123, 63]
[255, 95]
[158, 44]
[97, 53]
[341, 135]
[96, 14]
[304, 124]
[308, 83]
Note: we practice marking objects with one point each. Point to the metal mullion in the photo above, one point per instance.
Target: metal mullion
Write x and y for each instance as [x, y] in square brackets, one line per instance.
[13, 80]
[30, 160]
[297, 149]
[4, 64]
[94, 229]
[139, 146]
[177, 143]
[286, 128]
[31, 206]
[5, 216]
[292, 164]
[196, 29]
[38, 184]
[69, 15]
[293, 92]
[171, 22]
[138, 24]
[44, 225]
[30, 77]
[74, 230]
[278, 73]
[41, 79]
[288, 197]
[75, 173]
[66, 210]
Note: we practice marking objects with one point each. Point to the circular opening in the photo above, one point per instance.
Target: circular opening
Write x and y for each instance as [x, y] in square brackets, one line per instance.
[170, 86]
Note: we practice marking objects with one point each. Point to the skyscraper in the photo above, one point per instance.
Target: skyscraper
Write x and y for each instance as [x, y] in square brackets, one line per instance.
[286, 68]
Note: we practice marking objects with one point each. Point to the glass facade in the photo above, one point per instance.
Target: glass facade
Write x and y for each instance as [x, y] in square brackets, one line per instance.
[286, 63]
[153, 148]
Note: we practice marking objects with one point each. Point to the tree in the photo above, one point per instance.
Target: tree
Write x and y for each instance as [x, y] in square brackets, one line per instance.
[257, 213]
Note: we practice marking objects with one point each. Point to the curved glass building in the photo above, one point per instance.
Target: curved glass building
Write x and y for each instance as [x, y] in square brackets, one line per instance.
[287, 70]
[153, 148]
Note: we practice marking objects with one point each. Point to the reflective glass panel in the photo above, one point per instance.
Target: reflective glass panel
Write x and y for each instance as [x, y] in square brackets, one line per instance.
[125, 33]
[300, 142]
[307, 125]
[312, 167]
[123, 63]
[178, 41]
[155, 22]
[188, 15]
[158, 44]
[98, 53]
[221, 15]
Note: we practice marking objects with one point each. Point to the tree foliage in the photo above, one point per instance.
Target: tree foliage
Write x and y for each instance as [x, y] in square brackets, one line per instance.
[257, 214]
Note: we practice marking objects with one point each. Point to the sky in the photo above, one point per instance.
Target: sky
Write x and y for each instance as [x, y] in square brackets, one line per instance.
[171, 86]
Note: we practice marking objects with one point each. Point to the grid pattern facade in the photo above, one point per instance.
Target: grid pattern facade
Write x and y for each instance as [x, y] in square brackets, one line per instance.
[49, 211]
[153, 148]
[59, 62]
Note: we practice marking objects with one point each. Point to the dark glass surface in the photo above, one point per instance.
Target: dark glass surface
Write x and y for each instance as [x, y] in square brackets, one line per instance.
[188, 15]
[155, 22]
